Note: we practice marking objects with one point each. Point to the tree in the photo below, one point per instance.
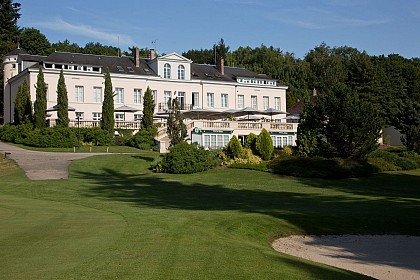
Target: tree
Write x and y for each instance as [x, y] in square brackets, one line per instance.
[108, 120]
[221, 49]
[40, 105]
[9, 33]
[148, 109]
[66, 46]
[176, 129]
[264, 145]
[62, 102]
[409, 125]
[23, 104]
[98, 48]
[9, 30]
[340, 125]
[34, 42]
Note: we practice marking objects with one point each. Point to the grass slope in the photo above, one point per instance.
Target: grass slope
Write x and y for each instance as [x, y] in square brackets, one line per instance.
[114, 219]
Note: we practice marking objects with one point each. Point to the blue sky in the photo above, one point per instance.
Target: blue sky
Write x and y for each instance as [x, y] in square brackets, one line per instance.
[297, 26]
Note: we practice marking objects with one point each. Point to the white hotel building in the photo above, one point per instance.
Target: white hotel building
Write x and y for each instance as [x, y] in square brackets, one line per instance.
[200, 90]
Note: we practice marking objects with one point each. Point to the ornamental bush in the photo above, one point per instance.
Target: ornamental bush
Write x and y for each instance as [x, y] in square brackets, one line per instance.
[184, 158]
[264, 145]
[144, 139]
[233, 148]
[318, 167]
[250, 142]
[15, 133]
[384, 160]
[52, 137]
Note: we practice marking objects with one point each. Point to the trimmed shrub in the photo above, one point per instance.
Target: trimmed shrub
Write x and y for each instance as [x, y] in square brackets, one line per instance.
[94, 135]
[318, 167]
[264, 145]
[184, 158]
[52, 137]
[15, 133]
[233, 148]
[144, 139]
[392, 158]
[250, 142]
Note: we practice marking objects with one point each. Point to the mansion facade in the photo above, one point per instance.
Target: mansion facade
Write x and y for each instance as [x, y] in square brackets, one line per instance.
[218, 101]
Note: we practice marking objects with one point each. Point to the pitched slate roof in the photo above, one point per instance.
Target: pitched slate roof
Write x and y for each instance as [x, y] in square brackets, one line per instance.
[210, 72]
[16, 52]
[116, 64]
[126, 65]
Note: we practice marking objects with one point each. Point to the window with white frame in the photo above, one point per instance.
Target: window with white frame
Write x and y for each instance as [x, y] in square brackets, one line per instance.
[277, 103]
[119, 95]
[254, 104]
[181, 99]
[224, 100]
[154, 94]
[79, 94]
[137, 96]
[181, 72]
[96, 116]
[210, 99]
[97, 94]
[138, 117]
[119, 117]
[80, 115]
[166, 98]
[167, 71]
[213, 141]
[266, 102]
[240, 101]
[282, 141]
[195, 99]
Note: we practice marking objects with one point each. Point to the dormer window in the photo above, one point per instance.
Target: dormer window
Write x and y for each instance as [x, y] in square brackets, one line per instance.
[181, 72]
[167, 71]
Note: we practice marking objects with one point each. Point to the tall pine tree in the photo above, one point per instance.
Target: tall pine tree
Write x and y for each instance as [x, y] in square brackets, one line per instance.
[176, 129]
[108, 120]
[9, 33]
[40, 105]
[23, 104]
[62, 102]
[148, 109]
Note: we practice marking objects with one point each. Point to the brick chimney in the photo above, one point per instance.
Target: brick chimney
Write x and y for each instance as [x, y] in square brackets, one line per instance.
[152, 54]
[221, 66]
[136, 54]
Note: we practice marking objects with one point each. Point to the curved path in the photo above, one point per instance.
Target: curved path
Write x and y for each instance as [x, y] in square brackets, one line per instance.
[42, 165]
[379, 256]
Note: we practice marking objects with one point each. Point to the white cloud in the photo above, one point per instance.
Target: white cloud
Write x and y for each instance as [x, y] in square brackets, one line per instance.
[314, 18]
[90, 32]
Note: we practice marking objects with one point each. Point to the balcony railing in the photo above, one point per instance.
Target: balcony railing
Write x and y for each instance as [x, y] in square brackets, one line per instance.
[241, 125]
[202, 124]
[163, 107]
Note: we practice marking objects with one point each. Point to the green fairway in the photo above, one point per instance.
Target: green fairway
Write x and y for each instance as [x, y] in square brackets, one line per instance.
[115, 219]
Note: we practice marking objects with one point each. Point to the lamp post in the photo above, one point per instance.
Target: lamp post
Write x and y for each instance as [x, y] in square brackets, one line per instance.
[78, 115]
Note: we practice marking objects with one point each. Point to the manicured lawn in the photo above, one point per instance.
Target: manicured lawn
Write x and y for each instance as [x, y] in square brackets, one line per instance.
[115, 219]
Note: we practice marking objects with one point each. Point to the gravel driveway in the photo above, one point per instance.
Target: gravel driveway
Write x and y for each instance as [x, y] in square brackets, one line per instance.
[42, 165]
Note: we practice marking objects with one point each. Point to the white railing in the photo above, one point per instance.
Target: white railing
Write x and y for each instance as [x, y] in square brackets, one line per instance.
[241, 125]
[202, 124]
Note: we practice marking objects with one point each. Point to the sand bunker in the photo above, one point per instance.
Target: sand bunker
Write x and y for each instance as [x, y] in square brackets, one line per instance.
[378, 256]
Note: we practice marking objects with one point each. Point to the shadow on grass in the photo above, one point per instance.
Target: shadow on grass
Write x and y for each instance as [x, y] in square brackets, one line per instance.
[390, 185]
[375, 205]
